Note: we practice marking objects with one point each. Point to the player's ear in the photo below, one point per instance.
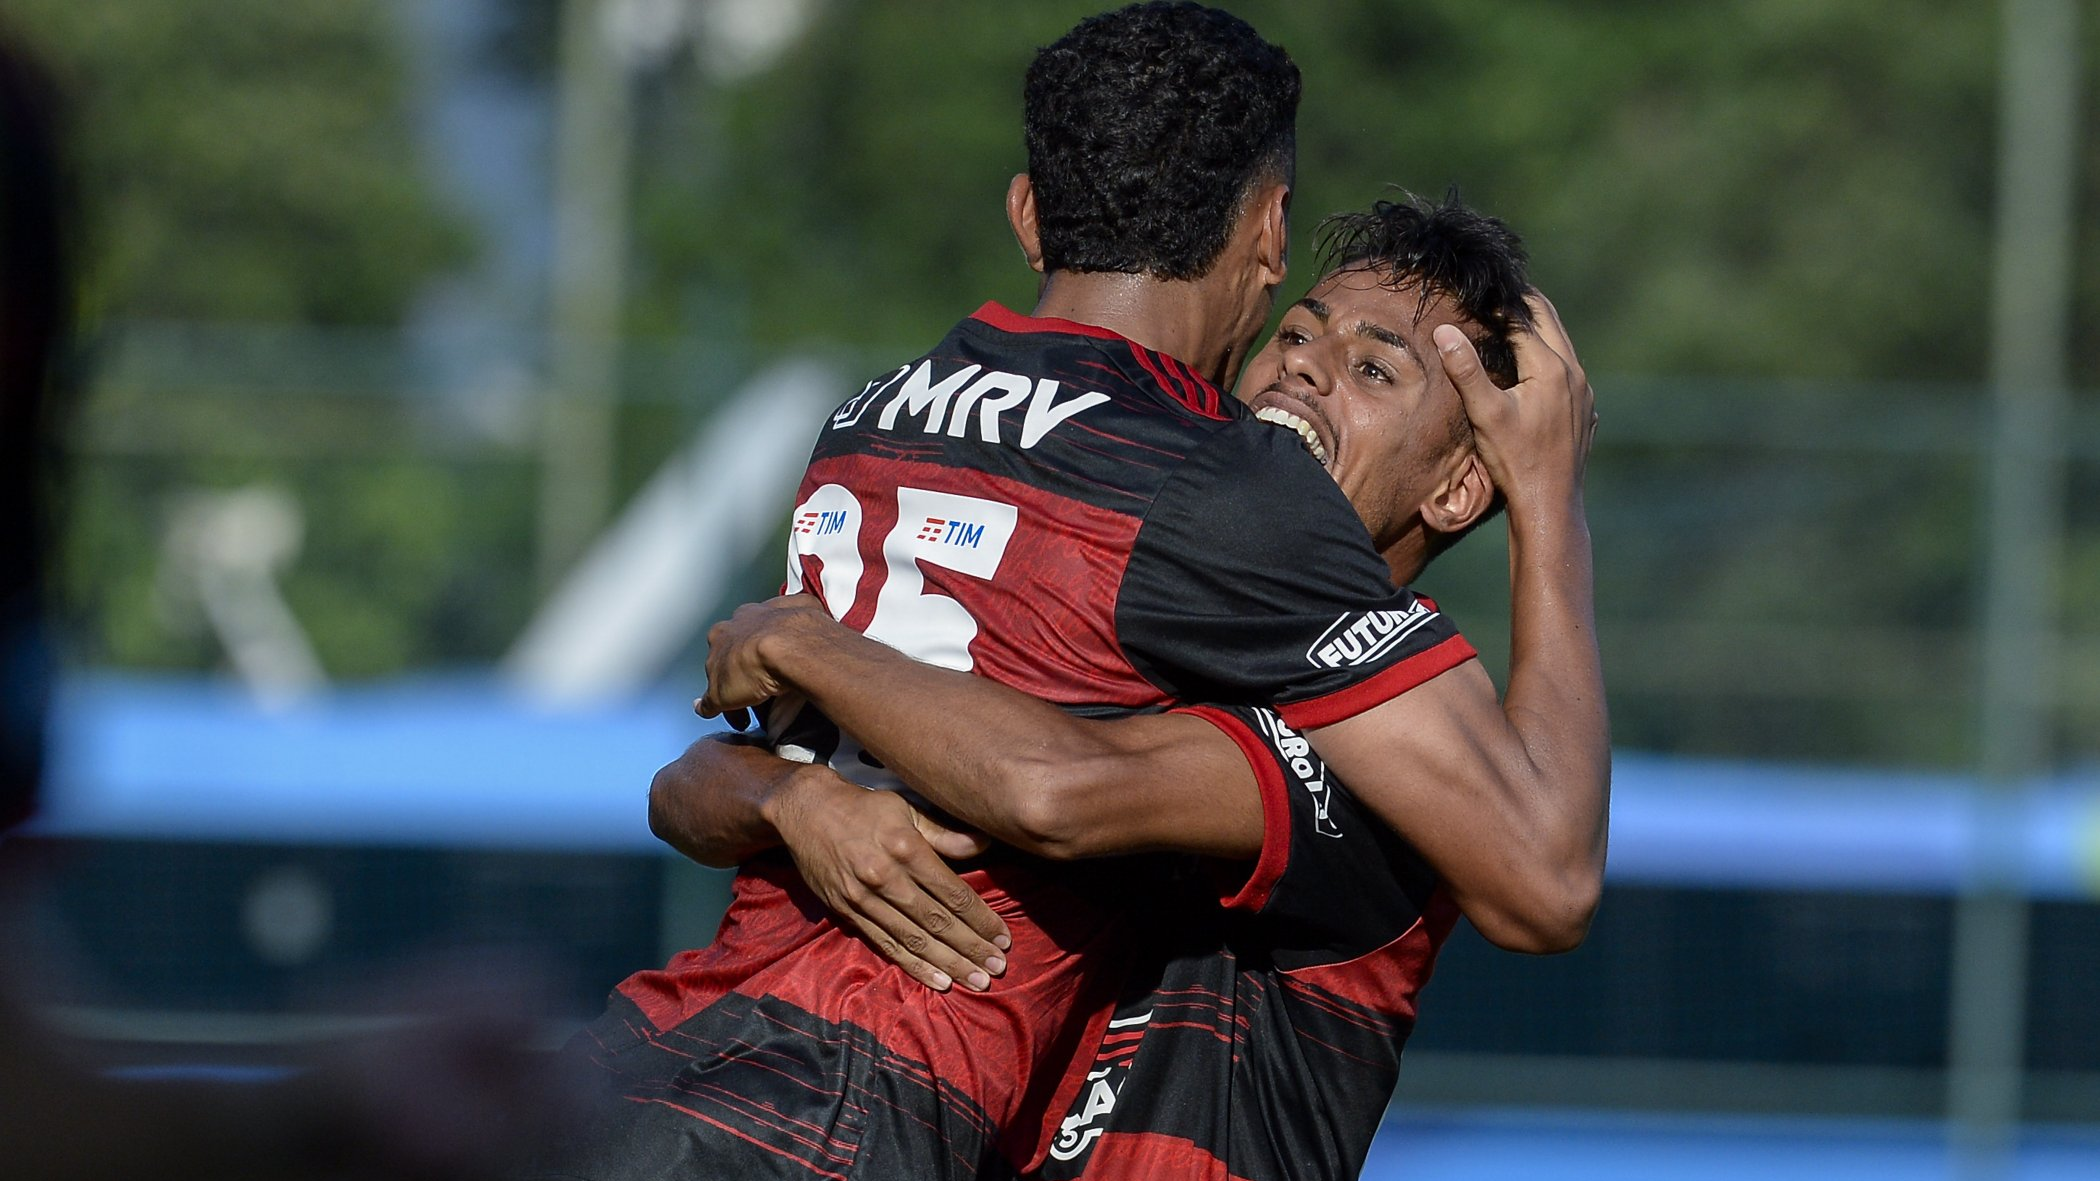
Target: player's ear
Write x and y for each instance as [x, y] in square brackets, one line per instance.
[1273, 232]
[1020, 214]
[1463, 496]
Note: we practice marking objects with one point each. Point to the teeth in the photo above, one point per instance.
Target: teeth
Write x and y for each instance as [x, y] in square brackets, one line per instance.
[1285, 418]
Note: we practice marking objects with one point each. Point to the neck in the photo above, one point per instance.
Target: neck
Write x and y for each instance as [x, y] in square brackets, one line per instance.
[1186, 320]
[1407, 557]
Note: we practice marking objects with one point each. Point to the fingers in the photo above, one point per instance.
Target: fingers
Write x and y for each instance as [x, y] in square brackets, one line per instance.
[954, 895]
[1547, 323]
[953, 843]
[918, 934]
[1538, 359]
[876, 920]
[1554, 336]
[941, 904]
[738, 719]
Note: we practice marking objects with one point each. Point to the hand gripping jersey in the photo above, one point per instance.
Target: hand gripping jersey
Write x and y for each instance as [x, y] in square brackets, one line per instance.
[1052, 506]
[1263, 1045]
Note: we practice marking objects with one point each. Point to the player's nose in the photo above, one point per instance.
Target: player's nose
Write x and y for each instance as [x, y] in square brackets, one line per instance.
[1305, 364]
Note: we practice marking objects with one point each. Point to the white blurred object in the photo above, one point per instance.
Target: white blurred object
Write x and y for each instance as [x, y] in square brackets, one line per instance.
[228, 549]
[643, 34]
[638, 595]
[736, 39]
[288, 916]
[732, 39]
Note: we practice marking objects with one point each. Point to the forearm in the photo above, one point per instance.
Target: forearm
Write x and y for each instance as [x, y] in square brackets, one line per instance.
[1505, 798]
[1020, 769]
[714, 802]
[967, 745]
[1555, 701]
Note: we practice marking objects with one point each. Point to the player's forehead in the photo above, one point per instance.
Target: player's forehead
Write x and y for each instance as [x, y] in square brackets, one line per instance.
[1359, 296]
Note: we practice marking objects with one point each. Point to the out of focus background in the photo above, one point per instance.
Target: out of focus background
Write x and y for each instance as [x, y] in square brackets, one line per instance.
[447, 364]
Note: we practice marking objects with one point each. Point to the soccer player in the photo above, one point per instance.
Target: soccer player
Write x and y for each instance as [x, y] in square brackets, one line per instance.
[1265, 1038]
[1064, 503]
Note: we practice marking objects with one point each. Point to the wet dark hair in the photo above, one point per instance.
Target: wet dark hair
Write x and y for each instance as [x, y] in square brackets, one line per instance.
[1147, 128]
[1442, 248]
[1475, 261]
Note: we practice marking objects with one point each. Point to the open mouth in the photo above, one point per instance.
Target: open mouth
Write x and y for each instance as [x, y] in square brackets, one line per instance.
[1293, 422]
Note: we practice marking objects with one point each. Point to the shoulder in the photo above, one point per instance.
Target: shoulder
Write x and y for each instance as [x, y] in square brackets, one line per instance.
[1258, 474]
[1249, 501]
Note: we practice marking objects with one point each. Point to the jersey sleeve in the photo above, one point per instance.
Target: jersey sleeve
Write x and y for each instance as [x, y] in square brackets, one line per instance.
[1252, 580]
[1332, 881]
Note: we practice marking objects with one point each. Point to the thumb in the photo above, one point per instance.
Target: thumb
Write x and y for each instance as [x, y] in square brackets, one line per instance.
[1462, 365]
[952, 843]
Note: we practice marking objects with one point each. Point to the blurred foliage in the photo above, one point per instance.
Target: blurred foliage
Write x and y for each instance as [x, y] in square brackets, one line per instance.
[243, 159]
[1764, 187]
[1766, 221]
[250, 161]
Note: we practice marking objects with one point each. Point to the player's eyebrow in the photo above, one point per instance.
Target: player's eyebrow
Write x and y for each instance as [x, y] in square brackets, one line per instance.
[1383, 335]
[1392, 339]
[1319, 310]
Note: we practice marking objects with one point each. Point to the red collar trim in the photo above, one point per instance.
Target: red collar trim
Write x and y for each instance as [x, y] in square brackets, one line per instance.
[1008, 321]
[1175, 378]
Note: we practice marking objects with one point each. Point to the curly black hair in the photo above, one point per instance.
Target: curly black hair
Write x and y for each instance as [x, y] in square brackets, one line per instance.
[1146, 129]
[1474, 260]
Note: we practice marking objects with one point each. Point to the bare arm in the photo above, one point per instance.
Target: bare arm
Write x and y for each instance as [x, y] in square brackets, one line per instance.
[1509, 800]
[1028, 773]
[713, 803]
[868, 855]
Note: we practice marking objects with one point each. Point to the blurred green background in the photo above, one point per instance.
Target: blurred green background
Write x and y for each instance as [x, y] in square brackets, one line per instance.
[1768, 224]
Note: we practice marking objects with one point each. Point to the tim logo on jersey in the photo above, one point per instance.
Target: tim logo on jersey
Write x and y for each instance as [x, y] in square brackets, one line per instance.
[1361, 637]
[945, 532]
[820, 524]
[969, 396]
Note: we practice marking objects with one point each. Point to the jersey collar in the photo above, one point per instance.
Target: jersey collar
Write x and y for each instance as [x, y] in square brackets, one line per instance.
[1004, 320]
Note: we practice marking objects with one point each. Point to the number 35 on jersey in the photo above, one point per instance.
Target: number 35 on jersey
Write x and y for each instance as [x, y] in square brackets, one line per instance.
[965, 534]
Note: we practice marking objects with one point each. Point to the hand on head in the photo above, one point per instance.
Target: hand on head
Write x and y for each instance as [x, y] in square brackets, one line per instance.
[1535, 436]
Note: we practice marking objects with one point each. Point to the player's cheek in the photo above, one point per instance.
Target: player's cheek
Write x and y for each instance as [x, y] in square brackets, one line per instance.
[1261, 373]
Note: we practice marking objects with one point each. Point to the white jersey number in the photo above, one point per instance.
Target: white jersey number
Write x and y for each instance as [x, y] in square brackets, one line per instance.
[966, 534]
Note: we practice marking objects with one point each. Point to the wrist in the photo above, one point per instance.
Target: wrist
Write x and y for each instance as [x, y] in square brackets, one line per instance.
[1555, 508]
[800, 792]
[785, 640]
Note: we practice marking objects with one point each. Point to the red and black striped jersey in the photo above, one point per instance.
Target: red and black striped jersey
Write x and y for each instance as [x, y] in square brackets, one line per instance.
[1063, 511]
[1264, 1044]
[1055, 507]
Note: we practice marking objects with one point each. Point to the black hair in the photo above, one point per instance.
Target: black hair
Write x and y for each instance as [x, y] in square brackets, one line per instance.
[1442, 248]
[1147, 128]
